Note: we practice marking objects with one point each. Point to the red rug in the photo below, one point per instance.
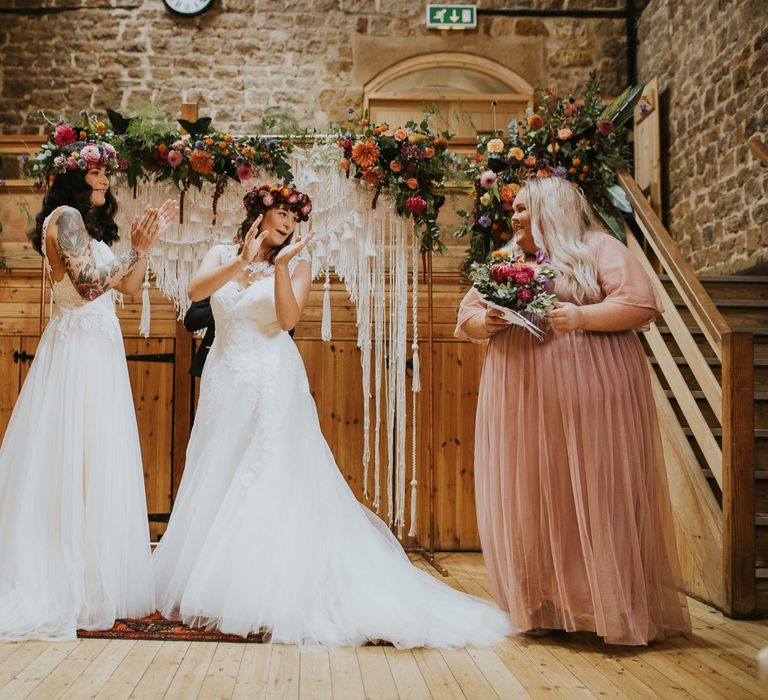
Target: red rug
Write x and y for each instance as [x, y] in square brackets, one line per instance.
[156, 627]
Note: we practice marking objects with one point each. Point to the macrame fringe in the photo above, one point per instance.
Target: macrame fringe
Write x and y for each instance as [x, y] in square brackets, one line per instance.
[366, 248]
[145, 311]
[325, 328]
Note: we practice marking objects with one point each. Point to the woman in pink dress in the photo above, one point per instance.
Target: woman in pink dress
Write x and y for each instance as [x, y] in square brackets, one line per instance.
[572, 500]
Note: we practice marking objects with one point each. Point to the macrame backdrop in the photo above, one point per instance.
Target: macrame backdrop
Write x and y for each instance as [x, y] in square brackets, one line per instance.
[369, 250]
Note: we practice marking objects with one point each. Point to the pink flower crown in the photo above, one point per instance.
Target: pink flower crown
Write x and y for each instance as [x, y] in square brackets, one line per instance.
[86, 155]
[263, 197]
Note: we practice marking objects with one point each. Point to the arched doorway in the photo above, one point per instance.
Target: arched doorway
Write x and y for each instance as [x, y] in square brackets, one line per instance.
[461, 87]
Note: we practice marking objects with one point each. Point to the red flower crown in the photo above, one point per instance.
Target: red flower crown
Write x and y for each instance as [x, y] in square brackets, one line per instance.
[265, 196]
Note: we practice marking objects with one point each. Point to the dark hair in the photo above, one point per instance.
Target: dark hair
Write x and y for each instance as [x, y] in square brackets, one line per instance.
[72, 190]
[254, 212]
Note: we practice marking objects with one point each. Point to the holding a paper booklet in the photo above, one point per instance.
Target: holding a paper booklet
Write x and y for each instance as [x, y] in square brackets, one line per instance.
[572, 500]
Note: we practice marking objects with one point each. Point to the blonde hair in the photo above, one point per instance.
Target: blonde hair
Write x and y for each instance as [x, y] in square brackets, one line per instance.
[561, 219]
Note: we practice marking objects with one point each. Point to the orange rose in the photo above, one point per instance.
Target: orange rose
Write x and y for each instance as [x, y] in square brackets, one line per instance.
[162, 148]
[535, 122]
[100, 127]
[228, 138]
[508, 192]
[576, 162]
[530, 161]
[395, 166]
[364, 122]
[209, 141]
[516, 153]
[376, 131]
[222, 145]
[372, 176]
[400, 134]
[413, 183]
[344, 163]
[285, 192]
[83, 134]
[429, 152]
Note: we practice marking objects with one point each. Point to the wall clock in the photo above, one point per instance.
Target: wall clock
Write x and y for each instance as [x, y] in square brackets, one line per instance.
[188, 8]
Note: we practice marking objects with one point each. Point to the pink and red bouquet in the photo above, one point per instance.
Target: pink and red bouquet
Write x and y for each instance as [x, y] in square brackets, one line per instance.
[514, 283]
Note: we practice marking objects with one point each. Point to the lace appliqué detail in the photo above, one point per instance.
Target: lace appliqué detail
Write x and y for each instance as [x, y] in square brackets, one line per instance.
[67, 320]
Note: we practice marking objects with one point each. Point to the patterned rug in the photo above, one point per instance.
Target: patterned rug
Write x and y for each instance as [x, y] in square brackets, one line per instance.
[156, 627]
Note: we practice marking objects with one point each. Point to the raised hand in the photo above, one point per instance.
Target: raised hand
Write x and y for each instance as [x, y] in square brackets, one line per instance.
[292, 250]
[145, 231]
[169, 213]
[253, 241]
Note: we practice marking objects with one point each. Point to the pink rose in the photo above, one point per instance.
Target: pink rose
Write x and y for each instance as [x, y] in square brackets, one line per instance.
[64, 135]
[244, 172]
[564, 134]
[268, 199]
[525, 295]
[487, 179]
[416, 204]
[175, 158]
[605, 127]
[91, 154]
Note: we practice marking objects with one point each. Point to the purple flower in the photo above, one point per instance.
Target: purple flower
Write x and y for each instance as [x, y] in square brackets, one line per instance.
[263, 139]
[560, 171]
[271, 145]
[543, 281]
[24, 158]
[351, 111]
[60, 119]
[239, 160]
[487, 179]
[484, 221]
[199, 145]
[542, 258]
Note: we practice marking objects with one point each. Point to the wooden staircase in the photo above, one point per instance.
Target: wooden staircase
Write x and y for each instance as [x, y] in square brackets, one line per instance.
[709, 353]
[743, 302]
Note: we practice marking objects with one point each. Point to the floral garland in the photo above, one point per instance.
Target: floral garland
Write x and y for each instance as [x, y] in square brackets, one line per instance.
[583, 141]
[409, 163]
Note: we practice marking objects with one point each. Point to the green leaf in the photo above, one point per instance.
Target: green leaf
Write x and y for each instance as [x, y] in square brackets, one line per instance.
[619, 198]
[614, 222]
[623, 107]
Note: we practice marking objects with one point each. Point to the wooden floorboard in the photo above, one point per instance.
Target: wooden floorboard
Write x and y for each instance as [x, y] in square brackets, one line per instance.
[717, 661]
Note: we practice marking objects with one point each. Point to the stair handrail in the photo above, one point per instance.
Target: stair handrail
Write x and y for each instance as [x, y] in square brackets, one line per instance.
[735, 350]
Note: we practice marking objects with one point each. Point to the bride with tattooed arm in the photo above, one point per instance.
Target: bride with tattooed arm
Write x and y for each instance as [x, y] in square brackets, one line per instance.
[74, 540]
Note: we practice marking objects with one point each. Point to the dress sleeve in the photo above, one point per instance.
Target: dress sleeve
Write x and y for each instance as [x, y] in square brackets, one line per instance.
[622, 277]
[471, 305]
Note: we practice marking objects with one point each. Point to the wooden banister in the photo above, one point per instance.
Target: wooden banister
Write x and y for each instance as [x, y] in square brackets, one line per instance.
[703, 309]
[732, 400]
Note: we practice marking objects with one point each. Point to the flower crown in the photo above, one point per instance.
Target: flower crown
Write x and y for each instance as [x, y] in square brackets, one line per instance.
[266, 196]
[69, 149]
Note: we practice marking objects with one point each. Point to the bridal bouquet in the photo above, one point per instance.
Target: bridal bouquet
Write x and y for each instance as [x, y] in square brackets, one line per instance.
[515, 286]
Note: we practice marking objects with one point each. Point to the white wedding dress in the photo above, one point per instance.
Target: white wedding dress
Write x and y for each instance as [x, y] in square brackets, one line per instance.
[74, 538]
[266, 535]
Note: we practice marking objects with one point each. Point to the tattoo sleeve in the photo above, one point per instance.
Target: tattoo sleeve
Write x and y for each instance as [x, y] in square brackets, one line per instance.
[73, 245]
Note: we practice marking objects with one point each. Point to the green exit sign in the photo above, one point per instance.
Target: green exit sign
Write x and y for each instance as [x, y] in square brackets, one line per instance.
[451, 16]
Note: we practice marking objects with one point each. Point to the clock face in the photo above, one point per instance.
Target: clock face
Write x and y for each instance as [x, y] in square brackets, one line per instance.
[188, 8]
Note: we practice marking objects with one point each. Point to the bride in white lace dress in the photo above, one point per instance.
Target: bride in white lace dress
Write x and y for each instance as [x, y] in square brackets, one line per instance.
[74, 541]
[265, 534]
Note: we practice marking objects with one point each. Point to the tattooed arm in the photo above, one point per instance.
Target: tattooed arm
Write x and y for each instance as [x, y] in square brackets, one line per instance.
[74, 249]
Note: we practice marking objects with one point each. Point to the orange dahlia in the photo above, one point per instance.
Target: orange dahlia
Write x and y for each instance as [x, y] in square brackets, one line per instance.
[201, 162]
[365, 153]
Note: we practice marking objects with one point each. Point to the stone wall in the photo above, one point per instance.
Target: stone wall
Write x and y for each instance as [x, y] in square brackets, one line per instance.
[711, 58]
[309, 59]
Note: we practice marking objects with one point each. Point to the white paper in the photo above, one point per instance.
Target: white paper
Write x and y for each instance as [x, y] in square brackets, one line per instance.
[516, 319]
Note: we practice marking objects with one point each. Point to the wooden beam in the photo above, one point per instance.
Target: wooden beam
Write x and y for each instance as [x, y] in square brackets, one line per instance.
[183, 386]
[738, 474]
[759, 149]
